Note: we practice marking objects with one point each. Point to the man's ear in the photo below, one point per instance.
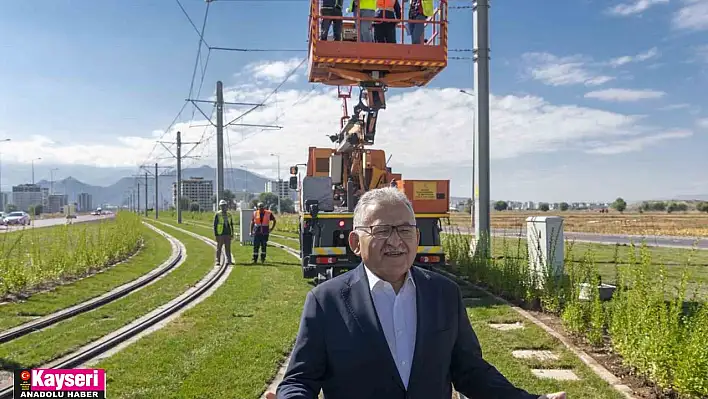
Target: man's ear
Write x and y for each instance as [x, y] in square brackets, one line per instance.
[354, 243]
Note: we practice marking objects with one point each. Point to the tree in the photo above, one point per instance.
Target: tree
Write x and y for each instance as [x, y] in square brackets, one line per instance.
[677, 207]
[184, 203]
[620, 205]
[702, 206]
[564, 206]
[468, 206]
[10, 208]
[501, 205]
[544, 207]
[194, 207]
[270, 200]
[229, 197]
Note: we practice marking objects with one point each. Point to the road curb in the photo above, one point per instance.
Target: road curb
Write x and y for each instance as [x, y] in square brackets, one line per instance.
[596, 367]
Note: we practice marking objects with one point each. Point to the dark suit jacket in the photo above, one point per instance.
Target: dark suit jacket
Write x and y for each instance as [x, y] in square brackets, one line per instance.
[341, 347]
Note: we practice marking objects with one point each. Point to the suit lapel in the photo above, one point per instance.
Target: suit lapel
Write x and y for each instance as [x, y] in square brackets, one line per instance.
[424, 310]
[357, 297]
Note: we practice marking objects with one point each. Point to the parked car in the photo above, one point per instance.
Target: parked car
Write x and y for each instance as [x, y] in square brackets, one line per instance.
[19, 217]
[2, 218]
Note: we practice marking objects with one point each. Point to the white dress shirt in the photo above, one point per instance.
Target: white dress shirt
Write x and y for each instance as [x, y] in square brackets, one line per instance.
[398, 316]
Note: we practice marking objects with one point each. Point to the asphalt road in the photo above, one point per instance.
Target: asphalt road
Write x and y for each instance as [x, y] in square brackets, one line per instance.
[56, 221]
[612, 239]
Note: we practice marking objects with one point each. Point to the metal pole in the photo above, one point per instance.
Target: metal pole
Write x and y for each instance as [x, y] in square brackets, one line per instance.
[146, 194]
[138, 200]
[280, 185]
[33, 172]
[219, 141]
[157, 194]
[179, 178]
[481, 159]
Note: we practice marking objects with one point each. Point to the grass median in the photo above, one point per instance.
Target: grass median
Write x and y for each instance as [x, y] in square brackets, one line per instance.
[156, 250]
[236, 339]
[43, 346]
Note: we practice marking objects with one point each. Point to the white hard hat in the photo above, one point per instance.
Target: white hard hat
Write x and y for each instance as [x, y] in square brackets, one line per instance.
[223, 202]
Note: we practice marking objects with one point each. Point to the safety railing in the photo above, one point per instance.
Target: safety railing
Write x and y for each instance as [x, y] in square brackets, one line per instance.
[434, 32]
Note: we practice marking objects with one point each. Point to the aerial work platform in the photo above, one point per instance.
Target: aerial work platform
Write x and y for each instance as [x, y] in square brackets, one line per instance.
[351, 62]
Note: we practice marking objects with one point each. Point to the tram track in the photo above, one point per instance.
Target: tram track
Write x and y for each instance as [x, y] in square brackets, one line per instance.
[195, 294]
[176, 257]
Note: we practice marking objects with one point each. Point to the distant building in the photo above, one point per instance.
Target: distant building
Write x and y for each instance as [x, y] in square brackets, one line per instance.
[85, 202]
[45, 197]
[56, 202]
[4, 200]
[25, 196]
[280, 188]
[197, 190]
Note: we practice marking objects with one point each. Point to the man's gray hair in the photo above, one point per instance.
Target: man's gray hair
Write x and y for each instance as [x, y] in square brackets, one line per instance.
[379, 196]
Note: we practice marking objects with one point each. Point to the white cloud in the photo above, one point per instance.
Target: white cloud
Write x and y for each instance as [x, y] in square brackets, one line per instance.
[702, 123]
[624, 95]
[421, 128]
[693, 15]
[638, 143]
[674, 107]
[562, 71]
[627, 59]
[635, 7]
[273, 71]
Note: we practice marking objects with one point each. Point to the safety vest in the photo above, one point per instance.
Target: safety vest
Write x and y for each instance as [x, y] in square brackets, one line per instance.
[364, 4]
[427, 7]
[385, 5]
[221, 223]
[257, 217]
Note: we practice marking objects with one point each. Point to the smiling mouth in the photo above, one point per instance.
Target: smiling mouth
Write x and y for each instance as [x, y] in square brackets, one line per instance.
[394, 254]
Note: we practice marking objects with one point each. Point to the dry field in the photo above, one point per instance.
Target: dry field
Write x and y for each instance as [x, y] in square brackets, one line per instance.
[690, 224]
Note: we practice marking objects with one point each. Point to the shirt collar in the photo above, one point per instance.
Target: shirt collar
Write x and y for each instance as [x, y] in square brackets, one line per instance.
[374, 279]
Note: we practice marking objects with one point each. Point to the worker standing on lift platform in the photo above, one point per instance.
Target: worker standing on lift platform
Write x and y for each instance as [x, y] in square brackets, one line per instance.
[420, 10]
[260, 229]
[366, 9]
[331, 8]
[385, 32]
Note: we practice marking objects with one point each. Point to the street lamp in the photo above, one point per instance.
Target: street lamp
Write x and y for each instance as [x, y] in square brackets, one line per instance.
[2, 198]
[36, 159]
[280, 188]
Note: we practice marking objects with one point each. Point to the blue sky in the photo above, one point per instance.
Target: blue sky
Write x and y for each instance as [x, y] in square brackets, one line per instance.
[592, 99]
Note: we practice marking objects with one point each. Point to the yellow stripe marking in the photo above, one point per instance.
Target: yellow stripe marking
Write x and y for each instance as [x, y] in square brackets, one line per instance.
[431, 250]
[330, 250]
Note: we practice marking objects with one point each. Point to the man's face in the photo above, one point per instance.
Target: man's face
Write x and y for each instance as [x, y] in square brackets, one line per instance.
[223, 208]
[390, 258]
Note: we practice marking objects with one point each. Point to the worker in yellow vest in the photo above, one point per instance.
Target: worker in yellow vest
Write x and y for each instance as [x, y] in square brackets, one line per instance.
[260, 229]
[364, 9]
[385, 32]
[419, 10]
[223, 232]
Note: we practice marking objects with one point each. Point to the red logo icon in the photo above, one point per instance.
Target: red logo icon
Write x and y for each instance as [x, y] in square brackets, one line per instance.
[25, 375]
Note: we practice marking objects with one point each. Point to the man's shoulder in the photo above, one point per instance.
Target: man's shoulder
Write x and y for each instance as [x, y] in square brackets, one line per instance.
[435, 279]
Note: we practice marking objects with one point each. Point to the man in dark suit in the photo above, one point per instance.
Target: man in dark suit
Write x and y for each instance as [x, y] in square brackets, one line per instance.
[386, 329]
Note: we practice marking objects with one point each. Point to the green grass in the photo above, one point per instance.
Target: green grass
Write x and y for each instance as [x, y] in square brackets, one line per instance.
[43, 346]
[497, 347]
[228, 346]
[155, 251]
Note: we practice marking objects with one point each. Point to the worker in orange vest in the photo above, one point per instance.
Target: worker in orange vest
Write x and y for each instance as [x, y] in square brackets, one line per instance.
[385, 32]
[260, 229]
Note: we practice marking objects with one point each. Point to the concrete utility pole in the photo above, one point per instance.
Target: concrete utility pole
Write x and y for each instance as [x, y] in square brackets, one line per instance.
[138, 199]
[179, 158]
[219, 142]
[179, 178]
[157, 194]
[482, 224]
[146, 194]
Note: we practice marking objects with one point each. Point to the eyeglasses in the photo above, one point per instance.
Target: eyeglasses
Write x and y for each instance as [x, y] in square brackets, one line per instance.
[383, 231]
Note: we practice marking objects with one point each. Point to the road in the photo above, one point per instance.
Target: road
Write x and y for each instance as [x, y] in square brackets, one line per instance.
[56, 221]
[611, 239]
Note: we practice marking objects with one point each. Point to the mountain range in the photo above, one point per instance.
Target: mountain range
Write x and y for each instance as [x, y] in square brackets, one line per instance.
[235, 179]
